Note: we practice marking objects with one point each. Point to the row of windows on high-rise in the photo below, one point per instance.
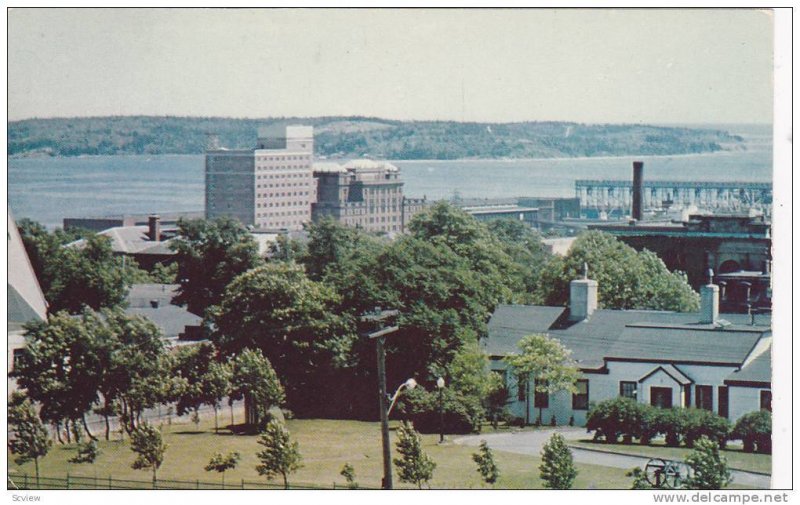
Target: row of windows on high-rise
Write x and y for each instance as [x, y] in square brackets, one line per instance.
[282, 204]
[284, 157]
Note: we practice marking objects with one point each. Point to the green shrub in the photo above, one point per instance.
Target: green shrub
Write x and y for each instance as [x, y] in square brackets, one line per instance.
[557, 469]
[700, 422]
[755, 431]
[648, 426]
[461, 413]
[615, 417]
[709, 468]
[672, 424]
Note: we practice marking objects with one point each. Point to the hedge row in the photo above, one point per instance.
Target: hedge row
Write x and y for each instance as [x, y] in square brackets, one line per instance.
[626, 418]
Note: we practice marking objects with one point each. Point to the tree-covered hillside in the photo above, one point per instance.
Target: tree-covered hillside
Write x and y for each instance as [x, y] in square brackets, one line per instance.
[347, 137]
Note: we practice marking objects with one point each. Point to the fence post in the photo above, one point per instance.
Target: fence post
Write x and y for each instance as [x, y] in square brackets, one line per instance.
[67, 480]
[25, 480]
[198, 483]
[109, 482]
[242, 483]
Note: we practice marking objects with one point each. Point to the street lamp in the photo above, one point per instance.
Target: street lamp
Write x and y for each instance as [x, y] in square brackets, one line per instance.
[409, 384]
[440, 385]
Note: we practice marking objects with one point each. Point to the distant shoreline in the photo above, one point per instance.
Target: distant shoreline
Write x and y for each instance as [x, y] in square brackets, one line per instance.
[724, 152]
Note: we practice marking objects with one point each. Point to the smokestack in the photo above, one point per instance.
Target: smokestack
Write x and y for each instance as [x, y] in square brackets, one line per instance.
[638, 190]
[154, 225]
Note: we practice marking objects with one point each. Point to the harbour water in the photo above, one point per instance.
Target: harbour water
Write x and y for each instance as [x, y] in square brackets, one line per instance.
[49, 189]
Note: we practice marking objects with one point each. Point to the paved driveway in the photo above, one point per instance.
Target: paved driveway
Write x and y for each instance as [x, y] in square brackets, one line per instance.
[532, 442]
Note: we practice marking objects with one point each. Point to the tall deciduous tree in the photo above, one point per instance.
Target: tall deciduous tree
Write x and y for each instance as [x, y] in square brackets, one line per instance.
[545, 361]
[138, 367]
[207, 380]
[147, 443]
[61, 366]
[280, 456]
[291, 319]
[627, 279]
[210, 254]
[30, 440]
[253, 378]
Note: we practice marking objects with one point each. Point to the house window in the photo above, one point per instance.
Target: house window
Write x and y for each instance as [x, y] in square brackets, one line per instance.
[627, 389]
[766, 400]
[722, 401]
[661, 397]
[522, 385]
[15, 361]
[580, 400]
[687, 391]
[704, 397]
[502, 375]
[541, 400]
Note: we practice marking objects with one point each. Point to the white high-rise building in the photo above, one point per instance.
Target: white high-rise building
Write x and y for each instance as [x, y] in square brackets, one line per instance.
[271, 187]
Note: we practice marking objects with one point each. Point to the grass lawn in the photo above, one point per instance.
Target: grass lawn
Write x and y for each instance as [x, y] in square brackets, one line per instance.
[737, 459]
[326, 445]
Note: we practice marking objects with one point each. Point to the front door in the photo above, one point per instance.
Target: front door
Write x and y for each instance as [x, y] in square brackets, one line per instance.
[661, 397]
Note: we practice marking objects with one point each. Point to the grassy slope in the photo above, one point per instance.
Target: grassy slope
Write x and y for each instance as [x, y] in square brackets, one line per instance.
[737, 459]
[326, 446]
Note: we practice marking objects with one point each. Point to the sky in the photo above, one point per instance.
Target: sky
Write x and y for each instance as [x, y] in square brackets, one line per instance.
[592, 66]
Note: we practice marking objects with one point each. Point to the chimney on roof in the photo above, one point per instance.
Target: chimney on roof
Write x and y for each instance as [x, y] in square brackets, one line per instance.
[638, 190]
[154, 228]
[582, 297]
[154, 303]
[709, 301]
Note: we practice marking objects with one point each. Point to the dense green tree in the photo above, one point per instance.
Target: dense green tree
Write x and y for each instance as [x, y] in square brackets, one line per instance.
[210, 254]
[138, 368]
[545, 361]
[413, 465]
[291, 319]
[486, 465]
[626, 279]
[149, 447]
[61, 365]
[754, 429]
[709, 468]
[222, 463]
[557, 469]
[207, 380]
[281, 454]
[524, 245]
[253, 378]
[29, 440]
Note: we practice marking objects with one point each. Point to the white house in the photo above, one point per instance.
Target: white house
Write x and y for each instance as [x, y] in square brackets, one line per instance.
[26, 302]
[661, 358]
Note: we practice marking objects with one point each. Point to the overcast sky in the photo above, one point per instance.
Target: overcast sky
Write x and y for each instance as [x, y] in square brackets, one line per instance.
[657, 66]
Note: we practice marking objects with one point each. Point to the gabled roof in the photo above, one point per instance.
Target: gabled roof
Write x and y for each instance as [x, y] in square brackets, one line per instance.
[132, 240]
[628, 335]
[757, 373]
[172, 319]
[672, 372]
[25, 299]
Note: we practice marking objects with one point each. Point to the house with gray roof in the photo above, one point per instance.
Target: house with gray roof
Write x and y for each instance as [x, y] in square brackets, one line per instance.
[662, 358]
[25, 302]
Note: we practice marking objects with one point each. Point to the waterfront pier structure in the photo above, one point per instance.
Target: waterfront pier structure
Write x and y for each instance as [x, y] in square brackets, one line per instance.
[615, 197]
